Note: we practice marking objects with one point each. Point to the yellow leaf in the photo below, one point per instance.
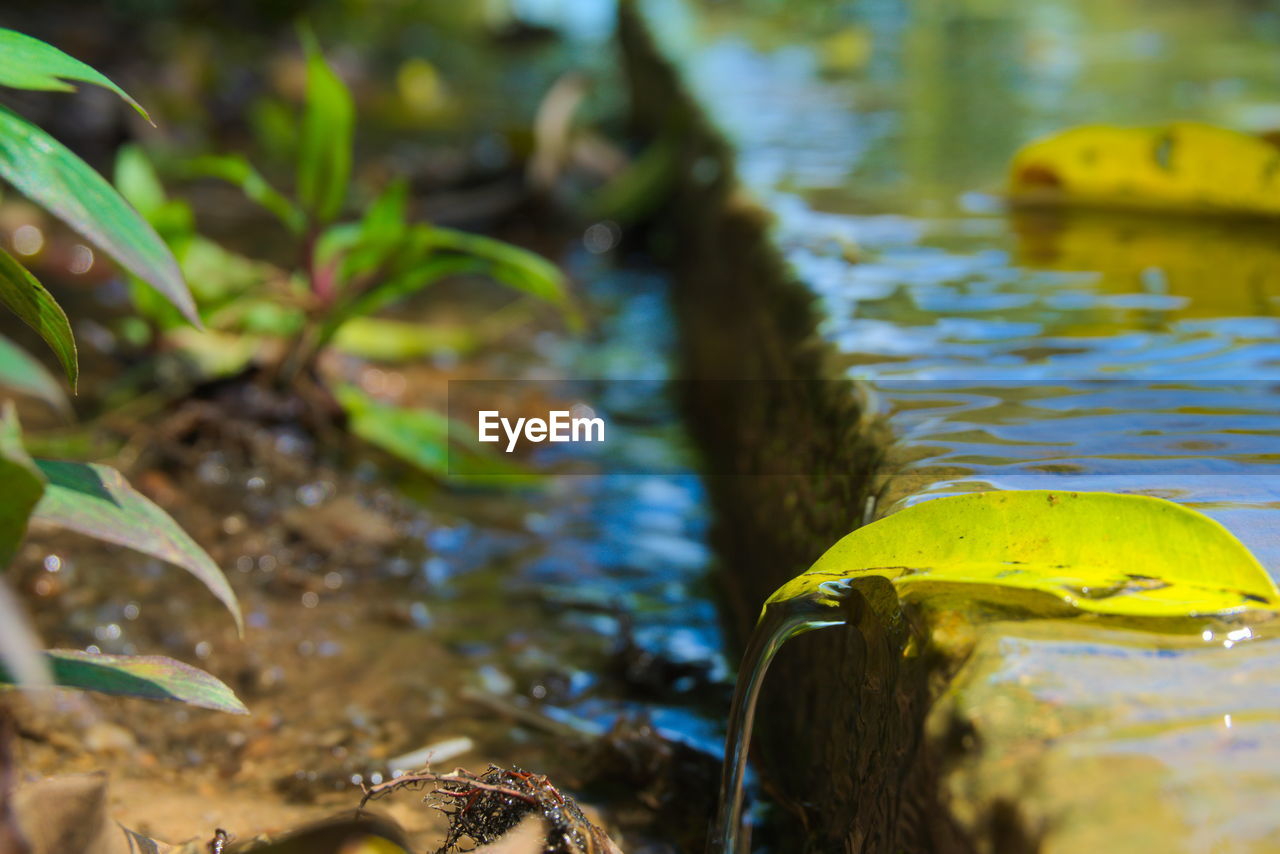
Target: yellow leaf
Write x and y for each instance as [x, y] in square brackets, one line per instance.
[1181, 167]
[1124, 555]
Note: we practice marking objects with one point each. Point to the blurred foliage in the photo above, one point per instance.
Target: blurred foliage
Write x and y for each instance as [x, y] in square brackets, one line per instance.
[349, 268]
[90, 499]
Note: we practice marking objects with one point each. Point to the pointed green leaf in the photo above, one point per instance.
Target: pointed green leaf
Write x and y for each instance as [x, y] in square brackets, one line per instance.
[1124, 555]
[421, 438]
[237, 170]
[324, 159]
[23, 484]
[137, 181]
[386, 216]
[97, 501]
[28, 63]
[23, 374]
[36, 307]
[47, 173]
[519, 268]
[152, 677]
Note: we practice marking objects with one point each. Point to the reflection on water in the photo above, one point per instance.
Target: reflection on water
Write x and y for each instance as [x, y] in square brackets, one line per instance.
[882, 205]
[1016, 351]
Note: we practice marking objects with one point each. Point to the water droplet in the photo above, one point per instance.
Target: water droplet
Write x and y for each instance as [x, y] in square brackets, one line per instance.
[602, 236]
[27, 240]
[81, 259]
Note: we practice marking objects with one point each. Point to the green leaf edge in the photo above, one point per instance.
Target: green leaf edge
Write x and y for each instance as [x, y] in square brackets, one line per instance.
[75, 70]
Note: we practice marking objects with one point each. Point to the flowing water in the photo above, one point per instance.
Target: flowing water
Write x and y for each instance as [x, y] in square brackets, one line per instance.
[780, 623]
[1015, 350]
[836, 605]
[1019, 351]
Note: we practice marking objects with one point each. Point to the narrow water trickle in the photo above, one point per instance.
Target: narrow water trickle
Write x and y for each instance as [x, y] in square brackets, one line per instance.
[833, 605]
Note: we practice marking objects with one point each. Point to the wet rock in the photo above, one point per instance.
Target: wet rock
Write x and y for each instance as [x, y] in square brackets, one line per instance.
[1062, 737]
[64, 814]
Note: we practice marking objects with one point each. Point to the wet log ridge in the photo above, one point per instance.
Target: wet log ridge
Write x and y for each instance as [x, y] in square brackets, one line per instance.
[793, 461]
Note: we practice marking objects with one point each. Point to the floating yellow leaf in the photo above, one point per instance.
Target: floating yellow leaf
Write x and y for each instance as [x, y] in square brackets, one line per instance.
[1123, 555]
[1182, 167]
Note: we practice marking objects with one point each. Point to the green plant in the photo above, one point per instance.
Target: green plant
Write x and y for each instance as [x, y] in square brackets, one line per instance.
[348, 269]
[90, 499]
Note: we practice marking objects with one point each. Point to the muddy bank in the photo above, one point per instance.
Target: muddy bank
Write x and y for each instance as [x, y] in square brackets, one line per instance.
[390, 614]
[839, 744]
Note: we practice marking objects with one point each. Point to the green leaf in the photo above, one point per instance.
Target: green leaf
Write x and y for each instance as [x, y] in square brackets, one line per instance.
[396, 287]
[137, 181]
[97, 501]
[324, 159]
[23, 484]
[237, 170]
[387, 215]
[37, 308]
[421, 438]
[1123, 555]
[516, 267]
[152, 677]
[28, 63]
[23, 374]
[399, 341]
[46, 172]
[275, 129]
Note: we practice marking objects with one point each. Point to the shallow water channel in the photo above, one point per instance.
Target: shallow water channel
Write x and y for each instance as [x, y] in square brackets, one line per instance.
[1016, 350]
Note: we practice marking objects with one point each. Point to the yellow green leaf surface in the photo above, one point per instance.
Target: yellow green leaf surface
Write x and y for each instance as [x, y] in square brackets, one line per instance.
[1182, 167]
[22, 294]
[1123, 555]
[152, 677]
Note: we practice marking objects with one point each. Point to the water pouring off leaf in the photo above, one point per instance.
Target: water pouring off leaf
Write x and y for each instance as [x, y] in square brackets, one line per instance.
[1039, 552]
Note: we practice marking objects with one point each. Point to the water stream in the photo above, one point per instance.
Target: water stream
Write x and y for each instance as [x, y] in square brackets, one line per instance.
[780, 622]
[1013, 351]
